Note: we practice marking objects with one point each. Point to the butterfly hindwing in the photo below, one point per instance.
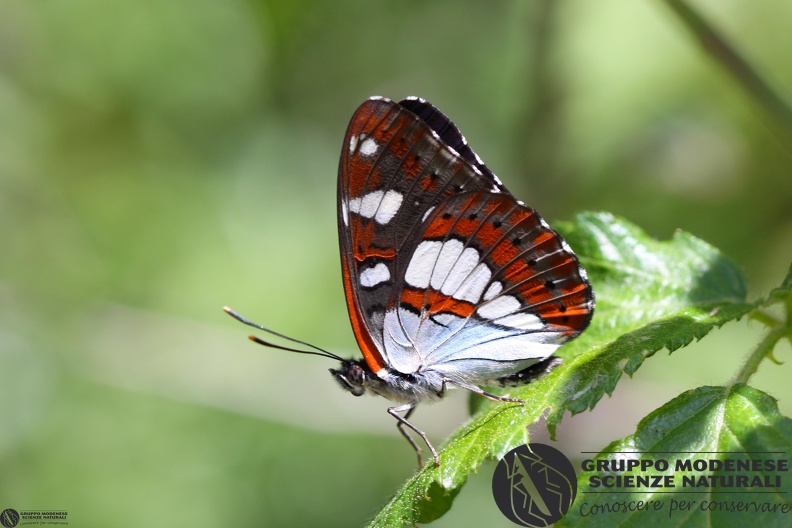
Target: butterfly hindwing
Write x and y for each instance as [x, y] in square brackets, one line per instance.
[443, 268]
[488, 285]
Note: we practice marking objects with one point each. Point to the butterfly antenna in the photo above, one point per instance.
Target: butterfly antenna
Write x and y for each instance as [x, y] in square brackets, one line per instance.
[316, 350]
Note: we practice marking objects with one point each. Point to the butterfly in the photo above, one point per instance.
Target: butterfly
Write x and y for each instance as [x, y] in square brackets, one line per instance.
[450, 281]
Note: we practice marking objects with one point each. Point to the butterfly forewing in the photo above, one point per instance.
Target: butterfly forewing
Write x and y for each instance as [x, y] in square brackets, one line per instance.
[394, 171]
[449, 134]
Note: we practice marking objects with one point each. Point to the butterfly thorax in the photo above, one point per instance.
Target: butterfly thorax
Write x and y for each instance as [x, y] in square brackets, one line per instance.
[356, 377]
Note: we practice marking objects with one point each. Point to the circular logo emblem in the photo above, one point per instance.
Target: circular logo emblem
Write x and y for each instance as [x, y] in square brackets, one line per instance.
[534, 485]
[9, 518]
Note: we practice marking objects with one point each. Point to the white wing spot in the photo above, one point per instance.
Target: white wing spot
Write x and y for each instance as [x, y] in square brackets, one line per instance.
[448, 256]
[382, 207]
[368, 147]
[471, 288]
[419, 271]
[390, 205]
[523, 321]
[450, 268]
[494, 289]
[375, 275]
[353, 142]
[463, 266]
[499, 307]
[427, 213]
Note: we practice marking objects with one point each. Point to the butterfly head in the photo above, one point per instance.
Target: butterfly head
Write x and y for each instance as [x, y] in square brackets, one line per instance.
[353, 376]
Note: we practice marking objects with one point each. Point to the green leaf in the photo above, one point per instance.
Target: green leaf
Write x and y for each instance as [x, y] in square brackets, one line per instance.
[650, 295]
[709, 424]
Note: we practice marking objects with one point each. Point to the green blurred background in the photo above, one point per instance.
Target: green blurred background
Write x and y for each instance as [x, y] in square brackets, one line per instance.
[159, 160]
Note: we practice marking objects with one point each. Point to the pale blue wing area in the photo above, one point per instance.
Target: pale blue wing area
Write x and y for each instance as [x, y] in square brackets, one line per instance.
[464, 349]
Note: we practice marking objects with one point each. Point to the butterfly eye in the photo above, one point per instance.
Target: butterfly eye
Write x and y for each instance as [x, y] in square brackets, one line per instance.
[351, 377]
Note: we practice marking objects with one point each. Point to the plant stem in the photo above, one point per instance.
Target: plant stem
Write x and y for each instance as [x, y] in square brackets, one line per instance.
[778, 331]
[764, 318]
[789, 317]
[731, 60]
[764, 348]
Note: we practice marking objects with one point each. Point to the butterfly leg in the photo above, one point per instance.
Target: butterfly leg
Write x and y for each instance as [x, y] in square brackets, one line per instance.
[410, 407]
[480, 392]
